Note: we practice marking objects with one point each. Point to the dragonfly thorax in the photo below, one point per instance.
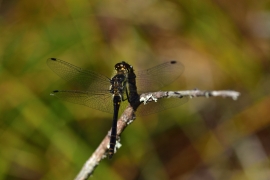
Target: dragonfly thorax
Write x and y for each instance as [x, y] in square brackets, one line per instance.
[118, 84]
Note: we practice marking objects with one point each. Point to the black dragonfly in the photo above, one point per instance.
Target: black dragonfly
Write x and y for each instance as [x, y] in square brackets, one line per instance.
[102, 93]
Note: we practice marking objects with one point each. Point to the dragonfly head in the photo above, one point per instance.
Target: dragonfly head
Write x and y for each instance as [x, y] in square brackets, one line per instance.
[123, 67]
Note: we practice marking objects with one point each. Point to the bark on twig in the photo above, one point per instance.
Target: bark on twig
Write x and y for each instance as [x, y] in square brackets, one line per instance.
[128, 116]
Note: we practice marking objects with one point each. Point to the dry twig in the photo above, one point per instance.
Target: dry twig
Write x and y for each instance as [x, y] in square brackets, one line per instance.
[128, 116]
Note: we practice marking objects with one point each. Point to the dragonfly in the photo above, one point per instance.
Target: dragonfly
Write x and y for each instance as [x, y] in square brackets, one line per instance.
[112, 95]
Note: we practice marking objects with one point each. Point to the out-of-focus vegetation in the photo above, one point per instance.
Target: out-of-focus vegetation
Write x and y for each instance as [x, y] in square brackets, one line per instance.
[223, 45]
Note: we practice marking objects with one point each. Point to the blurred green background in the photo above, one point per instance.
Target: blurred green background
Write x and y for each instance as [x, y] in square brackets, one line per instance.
[224, 44]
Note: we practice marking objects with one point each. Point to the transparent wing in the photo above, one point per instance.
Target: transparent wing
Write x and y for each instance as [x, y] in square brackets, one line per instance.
[155, 78]
[160, 105]
[93, 88]
[96, 100]
[81, 79]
